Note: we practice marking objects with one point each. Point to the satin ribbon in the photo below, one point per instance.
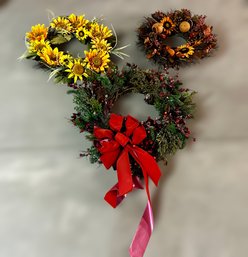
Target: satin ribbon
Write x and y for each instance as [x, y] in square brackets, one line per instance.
[115, 145]
[145, 227]
[113, 196]
[143, 233]
[120, 141]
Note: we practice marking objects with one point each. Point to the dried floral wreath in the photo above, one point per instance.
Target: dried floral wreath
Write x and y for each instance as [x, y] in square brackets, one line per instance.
[44, 45]
[155, 33]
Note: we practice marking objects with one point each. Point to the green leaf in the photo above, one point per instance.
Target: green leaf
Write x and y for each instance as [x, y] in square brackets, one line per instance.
[60, 39]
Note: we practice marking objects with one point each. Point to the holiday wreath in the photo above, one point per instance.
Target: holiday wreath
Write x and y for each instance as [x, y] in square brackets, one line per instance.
[155, 31]
[131, 147]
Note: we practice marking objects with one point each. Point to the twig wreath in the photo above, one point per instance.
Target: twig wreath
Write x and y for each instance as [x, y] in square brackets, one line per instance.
[154, 32]
[130, 146]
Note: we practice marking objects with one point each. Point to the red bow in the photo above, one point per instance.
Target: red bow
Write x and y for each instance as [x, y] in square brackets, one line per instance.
[115, 145]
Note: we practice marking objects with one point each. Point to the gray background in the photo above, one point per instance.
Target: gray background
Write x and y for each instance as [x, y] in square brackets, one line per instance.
[51, 201]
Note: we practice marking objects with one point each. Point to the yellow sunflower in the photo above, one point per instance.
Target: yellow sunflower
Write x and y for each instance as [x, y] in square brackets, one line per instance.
[51, 56]
[77, 21]
[168, 25]
[38, 32]
[99, 31]
[96, 60]
[101, 44]
[61, 23]
[82, 34]
[184, 51]
[36, 46]
[65, 59]
[76, 69]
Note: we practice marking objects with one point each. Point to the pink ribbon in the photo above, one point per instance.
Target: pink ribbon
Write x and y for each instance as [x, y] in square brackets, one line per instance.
[143, 233]
[145, 228]
[114, 198]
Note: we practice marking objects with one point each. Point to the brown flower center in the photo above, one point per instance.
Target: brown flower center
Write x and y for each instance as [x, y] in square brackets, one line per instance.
[39, 47]
[78, 69]
[81, 33]
[61, 25]
[53, 57]
[184, 50]
[167, 25]
[97, 61]
[66, 61]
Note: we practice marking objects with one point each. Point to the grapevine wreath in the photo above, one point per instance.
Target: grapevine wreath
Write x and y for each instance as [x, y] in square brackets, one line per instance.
[155, 33]
[131, 147]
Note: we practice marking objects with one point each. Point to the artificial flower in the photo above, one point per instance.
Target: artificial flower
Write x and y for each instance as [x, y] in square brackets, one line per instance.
[36, 46]
[65, 59]
[77, 21]
[61, 23]
[76, 69]
[38, 32]
[168, 25]
[96, 60]
[51, 56]
[101, 44]
[82, 34]
[184, 51]
[99, 31]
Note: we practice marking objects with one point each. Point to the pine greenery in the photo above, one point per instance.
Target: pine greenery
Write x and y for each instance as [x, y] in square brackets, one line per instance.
[94, 101]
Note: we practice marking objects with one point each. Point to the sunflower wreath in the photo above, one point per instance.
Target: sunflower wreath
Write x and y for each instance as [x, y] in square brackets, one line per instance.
[156, 31]
[45, 44]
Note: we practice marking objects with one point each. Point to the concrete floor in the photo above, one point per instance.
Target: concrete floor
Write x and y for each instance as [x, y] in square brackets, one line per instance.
[51, 201]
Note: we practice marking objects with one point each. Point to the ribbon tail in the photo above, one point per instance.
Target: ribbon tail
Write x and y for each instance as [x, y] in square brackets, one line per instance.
[147, 162]
[143, 233]
[112, 196]
[137, 183]
[124, 173]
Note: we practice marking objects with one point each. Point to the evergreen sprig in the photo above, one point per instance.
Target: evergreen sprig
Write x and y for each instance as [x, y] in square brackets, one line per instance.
[165, 135]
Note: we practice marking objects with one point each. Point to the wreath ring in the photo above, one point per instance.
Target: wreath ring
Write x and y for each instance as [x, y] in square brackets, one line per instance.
[45, 44]
[162, 136]
[154, 32]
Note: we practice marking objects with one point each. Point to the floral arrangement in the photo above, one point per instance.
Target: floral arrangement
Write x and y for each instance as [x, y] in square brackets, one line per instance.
[132, 148]
[44, 46]
[155, 32]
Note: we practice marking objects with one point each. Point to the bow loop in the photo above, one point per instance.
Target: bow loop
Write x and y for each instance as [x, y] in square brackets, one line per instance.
[131, 124]
[100, 133]
[108, 146]
[139, 135]
[116, 122]
[109, 159]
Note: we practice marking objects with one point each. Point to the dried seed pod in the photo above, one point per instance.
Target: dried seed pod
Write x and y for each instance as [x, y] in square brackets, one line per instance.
[184, 26]
[170, 51]
[158, 28]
